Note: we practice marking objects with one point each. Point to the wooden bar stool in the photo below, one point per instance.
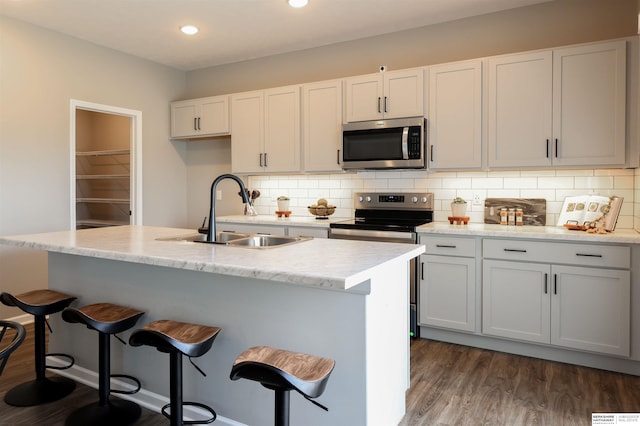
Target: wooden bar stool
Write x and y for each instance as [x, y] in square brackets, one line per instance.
[106, 319]
[177, 339]
[40, 303]
[283, 371]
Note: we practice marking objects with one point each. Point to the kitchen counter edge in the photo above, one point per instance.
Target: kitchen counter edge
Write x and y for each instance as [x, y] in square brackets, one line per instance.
[619, 236]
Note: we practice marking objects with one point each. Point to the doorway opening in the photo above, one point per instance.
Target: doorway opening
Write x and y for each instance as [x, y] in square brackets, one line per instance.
[105, 165]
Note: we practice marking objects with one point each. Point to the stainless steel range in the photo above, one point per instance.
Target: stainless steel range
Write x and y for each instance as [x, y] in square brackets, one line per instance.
[389, 217]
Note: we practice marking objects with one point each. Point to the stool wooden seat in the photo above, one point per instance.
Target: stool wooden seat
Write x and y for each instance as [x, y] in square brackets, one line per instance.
[40, 303]
[284, 371]
[106, 319]
[177, 339]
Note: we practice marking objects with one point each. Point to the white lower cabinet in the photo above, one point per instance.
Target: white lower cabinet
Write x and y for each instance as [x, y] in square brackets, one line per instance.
[447, 293]
[578, 307]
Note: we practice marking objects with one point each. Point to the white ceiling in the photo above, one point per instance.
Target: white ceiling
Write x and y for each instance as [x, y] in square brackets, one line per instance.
[236, 30]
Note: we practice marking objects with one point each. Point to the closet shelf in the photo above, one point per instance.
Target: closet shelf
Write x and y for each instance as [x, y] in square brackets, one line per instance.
[103, 200]
[109, 176]
[95, 223]
[102, 153]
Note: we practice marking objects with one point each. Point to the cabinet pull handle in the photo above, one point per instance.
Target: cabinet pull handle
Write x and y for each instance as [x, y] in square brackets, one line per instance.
[422, 271]
[265, 160]
[260, 159]
[588, 255]
[199, 128]
[445, 246]
[547, 148]
[431, 154]
[385, 104]
[555, 283]
[546, 283]
[379, 111]
[338, 156]
[516, 250]
[556, 147]
[195, 123]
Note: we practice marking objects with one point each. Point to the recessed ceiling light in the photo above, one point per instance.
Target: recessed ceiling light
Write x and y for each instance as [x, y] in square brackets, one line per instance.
[189, 29]
[298, 3]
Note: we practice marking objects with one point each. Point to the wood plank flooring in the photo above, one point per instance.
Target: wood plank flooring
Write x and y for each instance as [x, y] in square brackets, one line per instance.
[450, 385]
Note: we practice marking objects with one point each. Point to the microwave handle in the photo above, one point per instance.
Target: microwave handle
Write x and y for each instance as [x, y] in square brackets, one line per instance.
[405, 143]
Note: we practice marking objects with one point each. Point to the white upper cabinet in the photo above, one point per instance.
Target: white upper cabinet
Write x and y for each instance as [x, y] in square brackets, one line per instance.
[392, 94]
[196, 118]
[265, 131]
[589, 105]
[455, 116]
[322, 126]
[558, 108]
[519, 114]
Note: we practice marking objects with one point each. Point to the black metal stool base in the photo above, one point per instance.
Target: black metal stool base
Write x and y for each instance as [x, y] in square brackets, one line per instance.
[115, 412]
[38, 392]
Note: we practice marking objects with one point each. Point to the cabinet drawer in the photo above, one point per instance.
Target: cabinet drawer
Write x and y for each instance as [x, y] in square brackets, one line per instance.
[608, 256]
[450, 246]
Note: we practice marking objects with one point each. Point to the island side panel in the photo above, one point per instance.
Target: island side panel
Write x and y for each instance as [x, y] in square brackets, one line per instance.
[250, 312]
[387, 342]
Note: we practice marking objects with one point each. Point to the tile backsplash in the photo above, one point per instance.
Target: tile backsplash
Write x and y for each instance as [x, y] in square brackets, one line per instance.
[552, 185]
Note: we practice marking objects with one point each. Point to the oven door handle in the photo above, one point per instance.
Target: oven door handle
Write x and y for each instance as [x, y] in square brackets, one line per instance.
[369, 235]
[405, 143]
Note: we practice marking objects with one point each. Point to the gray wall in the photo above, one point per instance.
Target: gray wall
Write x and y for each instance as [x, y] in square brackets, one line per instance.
[544, 25]
[40, 72]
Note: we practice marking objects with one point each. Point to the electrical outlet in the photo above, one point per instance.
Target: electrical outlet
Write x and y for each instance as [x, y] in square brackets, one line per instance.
[218, 194]
[476, 200]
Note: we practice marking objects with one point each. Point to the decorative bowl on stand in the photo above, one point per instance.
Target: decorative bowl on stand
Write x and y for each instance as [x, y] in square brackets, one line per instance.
[322, 212]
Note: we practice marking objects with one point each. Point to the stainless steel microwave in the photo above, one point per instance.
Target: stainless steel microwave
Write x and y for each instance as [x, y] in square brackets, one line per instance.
[384, 144]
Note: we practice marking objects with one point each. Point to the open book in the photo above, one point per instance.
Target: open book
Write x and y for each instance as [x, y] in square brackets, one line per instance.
[587, 208]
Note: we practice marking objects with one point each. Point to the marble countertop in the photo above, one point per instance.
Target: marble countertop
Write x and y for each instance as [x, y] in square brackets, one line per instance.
[320, 262]
[264, 219]
[619, 236]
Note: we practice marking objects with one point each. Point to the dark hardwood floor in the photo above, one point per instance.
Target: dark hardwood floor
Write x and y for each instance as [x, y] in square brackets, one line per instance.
[450, 385]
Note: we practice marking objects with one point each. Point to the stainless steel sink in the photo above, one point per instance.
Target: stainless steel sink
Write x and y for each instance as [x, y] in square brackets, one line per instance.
[266, 241]
[240, 240]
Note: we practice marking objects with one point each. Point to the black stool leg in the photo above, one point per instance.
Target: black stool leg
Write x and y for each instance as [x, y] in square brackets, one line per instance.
[105, 412]
[282, 407]
[175, 388]
[42, 389]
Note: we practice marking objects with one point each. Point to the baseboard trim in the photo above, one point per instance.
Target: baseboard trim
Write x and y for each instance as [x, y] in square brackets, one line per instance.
[144, 398]
[23, 319]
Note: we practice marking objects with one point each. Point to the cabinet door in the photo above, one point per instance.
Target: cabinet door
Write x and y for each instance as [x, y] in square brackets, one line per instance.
[184, 116]
[448, 292]
[308, 231]
[589, 105]
[214, 116]
[322, 126]
[455, 116]
[516, 300]
[282, 129]
[519, 112]
[247, 132]
[403, 93]
[590, 309]
[364, 97]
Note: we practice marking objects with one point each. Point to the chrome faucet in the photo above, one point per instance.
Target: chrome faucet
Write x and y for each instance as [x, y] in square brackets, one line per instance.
[211, 233]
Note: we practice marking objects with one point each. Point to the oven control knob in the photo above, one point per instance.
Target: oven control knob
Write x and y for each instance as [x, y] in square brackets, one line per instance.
[414, 199]
[368, 199]
[424, 199]
[361, 198]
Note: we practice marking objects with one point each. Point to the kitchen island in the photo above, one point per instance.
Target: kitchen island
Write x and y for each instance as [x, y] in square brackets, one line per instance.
[345, 300]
